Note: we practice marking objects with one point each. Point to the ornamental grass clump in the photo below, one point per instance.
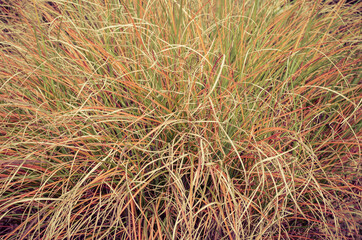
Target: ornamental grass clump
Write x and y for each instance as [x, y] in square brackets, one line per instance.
[180, 119]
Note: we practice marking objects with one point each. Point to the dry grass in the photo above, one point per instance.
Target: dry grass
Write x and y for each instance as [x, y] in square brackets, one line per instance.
[180, 120]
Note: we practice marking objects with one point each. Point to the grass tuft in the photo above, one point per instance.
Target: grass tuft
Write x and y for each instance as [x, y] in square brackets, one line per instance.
[180, 119]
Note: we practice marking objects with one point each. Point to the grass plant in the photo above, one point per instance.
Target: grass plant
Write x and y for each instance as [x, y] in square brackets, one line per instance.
[211, 119]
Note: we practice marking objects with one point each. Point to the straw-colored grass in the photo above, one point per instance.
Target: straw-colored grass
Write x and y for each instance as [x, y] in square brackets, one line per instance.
[211, 119]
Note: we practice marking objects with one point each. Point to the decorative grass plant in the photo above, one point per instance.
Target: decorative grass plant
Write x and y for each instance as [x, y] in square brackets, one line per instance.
[164, 119]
